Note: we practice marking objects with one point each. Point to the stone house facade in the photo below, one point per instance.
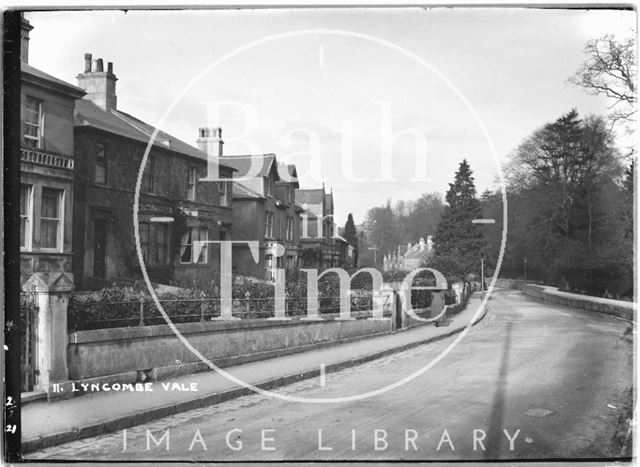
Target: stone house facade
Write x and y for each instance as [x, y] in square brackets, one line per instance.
[176, 209]
[264, 211]
[290, 216]
[318, 247]
[47, 168]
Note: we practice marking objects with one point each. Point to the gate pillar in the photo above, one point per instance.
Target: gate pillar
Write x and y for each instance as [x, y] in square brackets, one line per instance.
[51, 291]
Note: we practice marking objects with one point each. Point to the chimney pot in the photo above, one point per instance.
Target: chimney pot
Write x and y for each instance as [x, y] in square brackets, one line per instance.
[209, 138]
[87, 62]
[110, 67]
[100, 87]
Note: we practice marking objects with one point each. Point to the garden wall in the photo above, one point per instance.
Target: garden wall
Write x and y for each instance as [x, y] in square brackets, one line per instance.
[607, 306]
[118, 354]
[514, 283]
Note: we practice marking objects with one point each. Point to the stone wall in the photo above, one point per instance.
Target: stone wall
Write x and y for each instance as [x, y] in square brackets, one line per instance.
[620, 309]
[514, 283]
[119, 354]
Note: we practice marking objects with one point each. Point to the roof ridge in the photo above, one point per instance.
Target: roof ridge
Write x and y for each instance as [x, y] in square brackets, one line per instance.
[231, 156]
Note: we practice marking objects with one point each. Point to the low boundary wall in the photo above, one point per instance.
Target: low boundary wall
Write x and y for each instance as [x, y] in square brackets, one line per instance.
[514, 283]
[617, 308]
[120, 354]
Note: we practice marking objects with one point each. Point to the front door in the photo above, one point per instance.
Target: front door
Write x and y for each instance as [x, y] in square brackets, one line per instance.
[99, 246]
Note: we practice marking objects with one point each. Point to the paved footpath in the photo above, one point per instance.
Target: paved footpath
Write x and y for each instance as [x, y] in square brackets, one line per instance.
[51, 423]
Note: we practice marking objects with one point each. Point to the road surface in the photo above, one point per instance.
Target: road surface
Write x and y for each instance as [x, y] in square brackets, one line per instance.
[531, 381]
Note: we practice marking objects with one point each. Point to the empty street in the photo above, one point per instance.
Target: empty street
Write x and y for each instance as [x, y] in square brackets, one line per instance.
[531, 381]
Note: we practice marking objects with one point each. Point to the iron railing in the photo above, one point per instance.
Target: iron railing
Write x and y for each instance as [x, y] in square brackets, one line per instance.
[85, 313]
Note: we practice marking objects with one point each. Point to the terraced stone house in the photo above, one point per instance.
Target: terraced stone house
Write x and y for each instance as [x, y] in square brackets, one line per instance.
[47, 168]
[177, 208]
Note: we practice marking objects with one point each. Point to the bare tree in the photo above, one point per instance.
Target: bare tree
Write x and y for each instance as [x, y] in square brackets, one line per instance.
[610, 69]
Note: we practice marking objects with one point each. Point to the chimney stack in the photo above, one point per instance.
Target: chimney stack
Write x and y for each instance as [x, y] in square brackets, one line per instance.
[25, 28]
[100, 85]
[210, 140]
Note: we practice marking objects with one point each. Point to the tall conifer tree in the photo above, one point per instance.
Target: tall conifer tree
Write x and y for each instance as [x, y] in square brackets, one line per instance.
[351, 235]
[459, 244]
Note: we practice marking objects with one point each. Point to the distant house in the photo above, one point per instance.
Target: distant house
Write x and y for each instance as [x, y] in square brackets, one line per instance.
[415, 256]
[285, 190]
[264, 211]
[317, 243]
[47, 168]
[345, 252]
[176, 210]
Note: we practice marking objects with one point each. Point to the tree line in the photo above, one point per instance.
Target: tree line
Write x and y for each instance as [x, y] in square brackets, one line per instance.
[570, 194]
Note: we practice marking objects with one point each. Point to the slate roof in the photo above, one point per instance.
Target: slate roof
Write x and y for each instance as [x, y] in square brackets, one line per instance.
[242, 164]
[241, 191]
[87, 114]
[52, 81]
[313, 196]
[288, 174]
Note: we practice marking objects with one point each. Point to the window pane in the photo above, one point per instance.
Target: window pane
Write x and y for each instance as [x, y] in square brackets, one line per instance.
[143, 228]
[101, 174]
[101, 163]
[30, 130]
[203, 237]
[49, 233]
[31, 104]
[24, 200]
[147, 177]
[162, 243]
[185, 248]
[23, 229]
[191, 184]
[32, 120]
[50, 202]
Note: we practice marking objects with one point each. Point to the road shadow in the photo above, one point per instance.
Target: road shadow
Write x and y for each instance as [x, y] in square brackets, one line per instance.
[495, 435]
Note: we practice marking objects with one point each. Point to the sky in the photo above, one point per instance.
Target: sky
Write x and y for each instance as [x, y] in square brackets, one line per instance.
[374, 103]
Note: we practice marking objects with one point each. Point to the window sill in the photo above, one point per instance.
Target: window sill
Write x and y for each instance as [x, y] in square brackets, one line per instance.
[47, 252]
